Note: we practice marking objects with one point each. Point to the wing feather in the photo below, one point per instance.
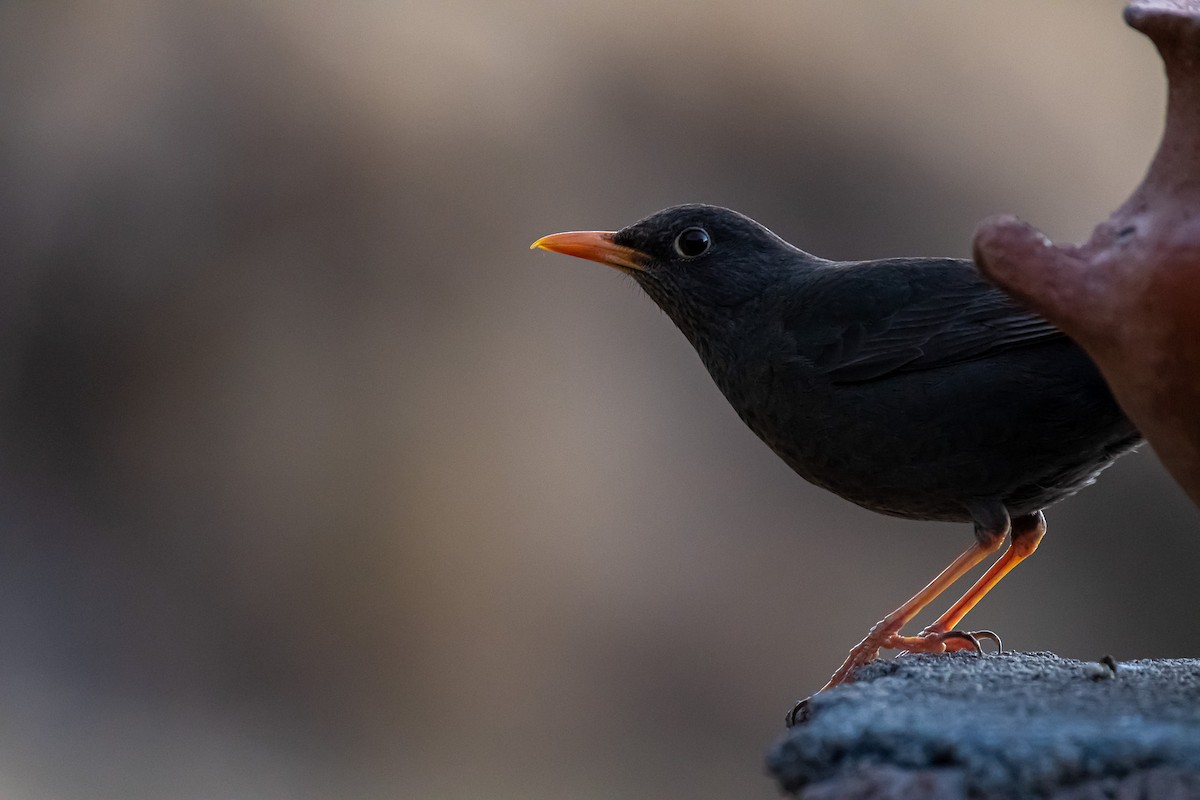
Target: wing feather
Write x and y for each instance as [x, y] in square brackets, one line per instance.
[879, 319]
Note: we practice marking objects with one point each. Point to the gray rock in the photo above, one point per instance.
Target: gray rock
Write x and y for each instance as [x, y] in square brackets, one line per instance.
[1015, 725]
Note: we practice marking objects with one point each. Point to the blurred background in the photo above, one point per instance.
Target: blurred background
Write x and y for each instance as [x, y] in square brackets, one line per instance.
[316, 483]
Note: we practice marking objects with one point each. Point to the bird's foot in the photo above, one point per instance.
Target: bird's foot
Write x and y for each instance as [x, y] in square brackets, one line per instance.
[936, 640]
[885, 636]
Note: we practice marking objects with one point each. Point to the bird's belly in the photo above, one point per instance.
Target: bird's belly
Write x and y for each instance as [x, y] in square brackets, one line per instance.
[924, 447]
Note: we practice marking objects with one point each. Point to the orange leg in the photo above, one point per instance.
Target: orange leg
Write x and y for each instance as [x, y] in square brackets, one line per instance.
[992, 524]
[1027, 533]
[885, 633]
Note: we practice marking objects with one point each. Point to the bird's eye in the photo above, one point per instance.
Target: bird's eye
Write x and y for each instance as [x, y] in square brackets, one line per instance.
[692, 242]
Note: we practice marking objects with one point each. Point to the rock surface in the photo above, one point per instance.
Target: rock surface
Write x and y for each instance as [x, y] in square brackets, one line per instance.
[1011, 725]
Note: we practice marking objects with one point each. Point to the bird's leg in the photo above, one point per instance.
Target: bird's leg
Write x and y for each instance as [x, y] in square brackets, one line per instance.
[885, 633]
[1027, 533]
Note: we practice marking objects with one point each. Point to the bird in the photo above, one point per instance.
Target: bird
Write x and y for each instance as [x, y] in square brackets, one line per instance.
[908, 386]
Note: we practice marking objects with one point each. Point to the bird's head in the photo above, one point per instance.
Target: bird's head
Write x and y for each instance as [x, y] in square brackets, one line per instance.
[693, 260]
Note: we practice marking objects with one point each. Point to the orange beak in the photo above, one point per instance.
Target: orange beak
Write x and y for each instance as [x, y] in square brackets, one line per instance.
[594, 246]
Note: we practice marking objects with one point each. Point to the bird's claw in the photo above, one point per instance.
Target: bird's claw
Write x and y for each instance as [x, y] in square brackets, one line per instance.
[798, 714]
[973, 638]
[991, 636]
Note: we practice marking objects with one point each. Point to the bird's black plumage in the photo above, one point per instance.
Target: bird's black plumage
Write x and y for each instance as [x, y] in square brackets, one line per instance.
[908, 386]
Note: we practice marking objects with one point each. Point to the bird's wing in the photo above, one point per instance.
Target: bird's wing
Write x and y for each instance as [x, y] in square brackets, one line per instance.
[878, 319]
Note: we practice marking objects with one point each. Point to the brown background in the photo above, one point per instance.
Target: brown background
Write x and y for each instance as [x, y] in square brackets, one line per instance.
[316, 483]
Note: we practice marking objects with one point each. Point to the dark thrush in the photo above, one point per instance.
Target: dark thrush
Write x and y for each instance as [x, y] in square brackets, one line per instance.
[909, 386]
